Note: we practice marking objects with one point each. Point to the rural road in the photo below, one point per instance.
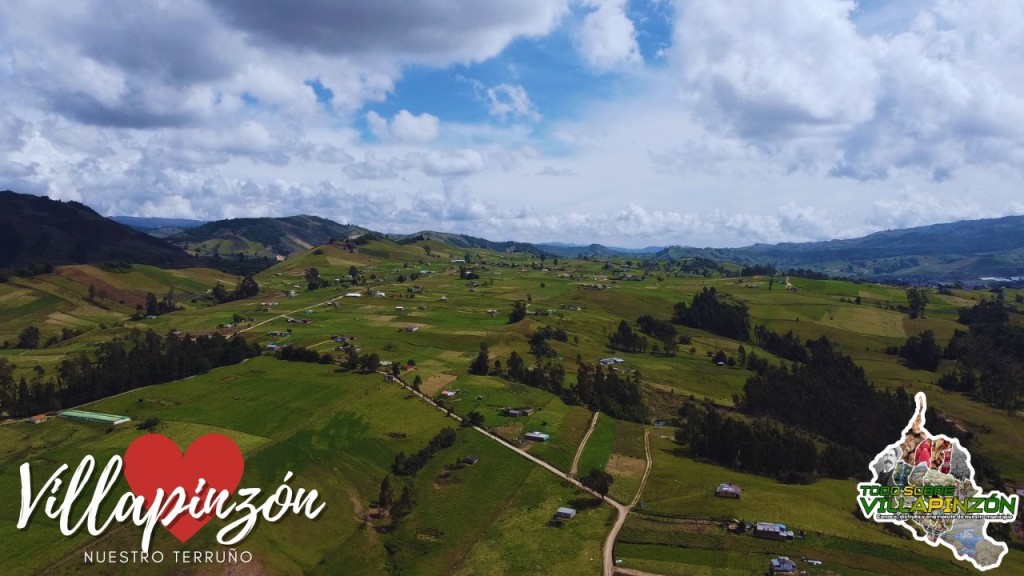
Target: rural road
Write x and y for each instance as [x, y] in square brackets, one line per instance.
[609, 542]
[622, 509]
[574, 471]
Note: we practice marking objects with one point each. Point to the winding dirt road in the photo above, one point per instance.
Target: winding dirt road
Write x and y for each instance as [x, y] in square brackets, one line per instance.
[583, 444]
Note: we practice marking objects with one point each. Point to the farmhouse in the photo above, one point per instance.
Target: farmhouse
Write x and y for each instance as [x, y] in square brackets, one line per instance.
[94, 417]
[567, 513]
[353, 295]
[728, 490]
[781, 565]
[448, 393]
[770, 531]
[471, 459]
[272, 346]
[37, 419]
[400, 308]
[516, 412]
[610, 361]
[537, 436]
[290, 293]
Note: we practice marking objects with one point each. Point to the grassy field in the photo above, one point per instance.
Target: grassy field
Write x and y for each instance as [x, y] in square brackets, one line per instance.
[339, 432]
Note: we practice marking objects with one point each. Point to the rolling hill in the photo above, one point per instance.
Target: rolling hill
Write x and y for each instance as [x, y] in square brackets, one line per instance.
[262, 237]
[36, 230]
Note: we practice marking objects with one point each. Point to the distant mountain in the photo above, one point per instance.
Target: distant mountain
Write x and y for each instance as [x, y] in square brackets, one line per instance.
[159, 227]
[593, 250]
[961, 250]
[262, 237]
[37, 230]
[464, 241]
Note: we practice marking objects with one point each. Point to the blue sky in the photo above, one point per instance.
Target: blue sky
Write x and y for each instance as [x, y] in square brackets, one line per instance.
[631, 123]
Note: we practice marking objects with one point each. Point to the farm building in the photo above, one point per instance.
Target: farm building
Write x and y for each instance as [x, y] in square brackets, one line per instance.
[272, 346]
[514, 412]
[728, 490]
[782, 565]
[610, 361]
[448, 393]
[537, 436]
[471, 459]
[353, 295]
[37, 419]
[563, 512]
[94, 417]
[770, 531]
[412, 328]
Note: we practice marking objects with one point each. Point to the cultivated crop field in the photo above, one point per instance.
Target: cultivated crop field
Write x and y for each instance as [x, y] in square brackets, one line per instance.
[339, 430]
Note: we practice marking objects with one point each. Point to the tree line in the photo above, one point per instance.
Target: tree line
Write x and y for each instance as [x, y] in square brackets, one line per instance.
[140, 359]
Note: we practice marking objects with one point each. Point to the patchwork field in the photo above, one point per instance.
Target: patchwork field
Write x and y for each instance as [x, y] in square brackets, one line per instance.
[339, 432]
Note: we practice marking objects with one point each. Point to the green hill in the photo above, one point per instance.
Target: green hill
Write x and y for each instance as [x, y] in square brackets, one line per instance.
[36, 230]
[263, 237]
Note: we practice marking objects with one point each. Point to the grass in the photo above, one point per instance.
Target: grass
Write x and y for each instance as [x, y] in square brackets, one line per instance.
[340, 432]
[599, 446]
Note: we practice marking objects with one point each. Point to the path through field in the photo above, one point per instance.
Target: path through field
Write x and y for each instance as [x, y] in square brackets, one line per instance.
[623, 510]
[609, 542]
[583, 444]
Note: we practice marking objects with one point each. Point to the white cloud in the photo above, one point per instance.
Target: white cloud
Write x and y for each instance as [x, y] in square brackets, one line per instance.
[451, 163]
[510, 101]
[370, 169]
[607, 38]
[552, 171]
[404, 126]
[779, 68]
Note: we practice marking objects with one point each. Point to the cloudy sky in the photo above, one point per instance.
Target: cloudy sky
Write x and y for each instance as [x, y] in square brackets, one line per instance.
[625, 122]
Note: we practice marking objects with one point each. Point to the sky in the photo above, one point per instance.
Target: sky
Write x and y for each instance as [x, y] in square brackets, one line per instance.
[625, 122]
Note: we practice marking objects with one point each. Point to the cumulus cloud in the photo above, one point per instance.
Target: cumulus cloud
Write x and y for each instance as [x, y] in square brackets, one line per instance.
[370, 168]
[779, 68]
[552, 171]
[510, 101]
[404, 126]
[451, 163]
[607, 38]
[430, 31]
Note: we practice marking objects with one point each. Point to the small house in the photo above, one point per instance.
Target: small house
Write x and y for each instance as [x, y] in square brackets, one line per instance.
[37, 419]
[448, 393]
[471, 459]
[567, 513]
[290, 293]
[353, 295]
[537, 436]
[781, 565]
[728, 490]
[399, 308]
[770, 531]
[272, 346]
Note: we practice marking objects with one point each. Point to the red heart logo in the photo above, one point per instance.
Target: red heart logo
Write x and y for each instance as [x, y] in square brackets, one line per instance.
[154, 461]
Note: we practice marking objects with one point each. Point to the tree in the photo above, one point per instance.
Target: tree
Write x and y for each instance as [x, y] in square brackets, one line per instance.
[220, 293]
[404, 504]
[482, 363]
[518, 312]
[598, 480]
[474, 418]
[417, 382]
[92, 292]
[917, 299]
[247, 288]
[28, 338]
[387, 496]
[8, 389]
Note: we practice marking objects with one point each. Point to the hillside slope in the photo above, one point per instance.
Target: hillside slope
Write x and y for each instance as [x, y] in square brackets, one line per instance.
[37, 230]
[262, 237]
